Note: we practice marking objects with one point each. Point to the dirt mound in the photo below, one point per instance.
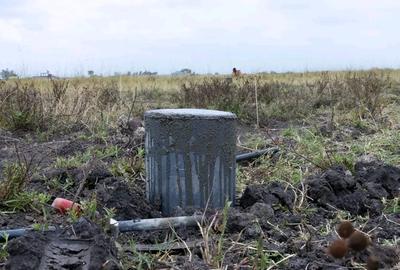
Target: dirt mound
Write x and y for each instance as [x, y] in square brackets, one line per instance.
[267, 213]
[84, 247]
[272, 193]
[91, 173]
[72, 148]
[129, 201]
[359, 193]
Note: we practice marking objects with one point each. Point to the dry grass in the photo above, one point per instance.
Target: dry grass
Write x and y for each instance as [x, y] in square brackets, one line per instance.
[42, 104]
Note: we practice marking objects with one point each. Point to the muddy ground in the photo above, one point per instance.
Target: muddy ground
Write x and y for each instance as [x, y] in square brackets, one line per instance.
[293, 224]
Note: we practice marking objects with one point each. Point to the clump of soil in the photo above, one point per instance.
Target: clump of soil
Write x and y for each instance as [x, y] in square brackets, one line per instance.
[129, 201]
[360, 192]
[72, 148]
[266, 212]
[83, 246]
[271, 193]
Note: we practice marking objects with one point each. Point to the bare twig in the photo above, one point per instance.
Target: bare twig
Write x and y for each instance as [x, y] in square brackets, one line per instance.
[281, 261]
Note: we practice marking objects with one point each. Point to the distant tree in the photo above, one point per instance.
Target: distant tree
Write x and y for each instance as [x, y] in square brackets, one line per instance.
[184, 71]
[6, 74]
[90, 73]
[129, 73]
[148, 73]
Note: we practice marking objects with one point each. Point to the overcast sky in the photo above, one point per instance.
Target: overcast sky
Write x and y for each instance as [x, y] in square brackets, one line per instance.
[72, 36]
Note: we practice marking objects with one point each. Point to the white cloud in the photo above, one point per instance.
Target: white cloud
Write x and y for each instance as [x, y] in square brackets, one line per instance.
[205, 35]
[10, 30]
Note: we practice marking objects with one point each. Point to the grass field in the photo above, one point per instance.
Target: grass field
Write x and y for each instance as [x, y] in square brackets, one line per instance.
[338, 134]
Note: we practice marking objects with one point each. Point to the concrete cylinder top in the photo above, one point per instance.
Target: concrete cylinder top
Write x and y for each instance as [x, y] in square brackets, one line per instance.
[190, 158]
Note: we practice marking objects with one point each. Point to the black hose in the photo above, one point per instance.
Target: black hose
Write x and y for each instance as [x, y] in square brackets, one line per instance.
[14, 233]
[247, 156]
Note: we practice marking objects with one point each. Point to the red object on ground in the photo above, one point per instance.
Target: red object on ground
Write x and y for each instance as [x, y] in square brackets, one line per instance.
[64, 205]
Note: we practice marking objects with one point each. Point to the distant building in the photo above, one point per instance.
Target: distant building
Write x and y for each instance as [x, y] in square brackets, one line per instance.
[46, 74]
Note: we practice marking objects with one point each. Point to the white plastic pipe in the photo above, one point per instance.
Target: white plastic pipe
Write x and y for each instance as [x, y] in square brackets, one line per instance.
[154, 223]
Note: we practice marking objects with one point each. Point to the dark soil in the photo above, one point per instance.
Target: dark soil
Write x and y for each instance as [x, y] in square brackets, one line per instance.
[267, 214]
[337, 188]
[359, 193]
[83, 246]
[129, 202]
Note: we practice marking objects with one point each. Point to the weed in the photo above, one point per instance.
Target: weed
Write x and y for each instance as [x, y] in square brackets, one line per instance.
[392, 206]
[25, 201]
[139, 260]
[40, 226]
[55, 183]
[265, 259]
[73, 215]
[107, 93]
[89, 208]
[16, 176]
[213, 249]
[59, 89]
[262, 260]
[72, 162]
[80, 159]
[317, 150]
[3, 249]
[21, 106]
[128, 167]
[366, 91]
[105, 220]
[220, 244]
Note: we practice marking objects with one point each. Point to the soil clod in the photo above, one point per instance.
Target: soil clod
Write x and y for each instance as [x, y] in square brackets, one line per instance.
[85, 247]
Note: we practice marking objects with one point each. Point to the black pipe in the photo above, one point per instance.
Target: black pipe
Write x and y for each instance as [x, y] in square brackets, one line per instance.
[247, 156]
[14, 233]
[10, 234]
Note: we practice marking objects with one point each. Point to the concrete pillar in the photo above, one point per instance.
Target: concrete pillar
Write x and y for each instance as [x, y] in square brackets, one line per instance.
[190, 158]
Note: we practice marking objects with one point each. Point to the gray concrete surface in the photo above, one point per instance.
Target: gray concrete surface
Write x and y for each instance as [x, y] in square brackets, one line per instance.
[190, 158]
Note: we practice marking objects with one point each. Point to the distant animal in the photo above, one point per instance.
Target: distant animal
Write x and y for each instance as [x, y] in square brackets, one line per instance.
[236, 72]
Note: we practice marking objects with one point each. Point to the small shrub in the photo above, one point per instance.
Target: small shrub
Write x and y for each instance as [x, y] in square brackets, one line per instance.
[58, 89]
[365, 92]
[280, 100]
[21, 106]
[16, 176]
[129, 167]
[25, 201]
[139, 260]
[107, 93]
[213, 92]
[224, 94]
